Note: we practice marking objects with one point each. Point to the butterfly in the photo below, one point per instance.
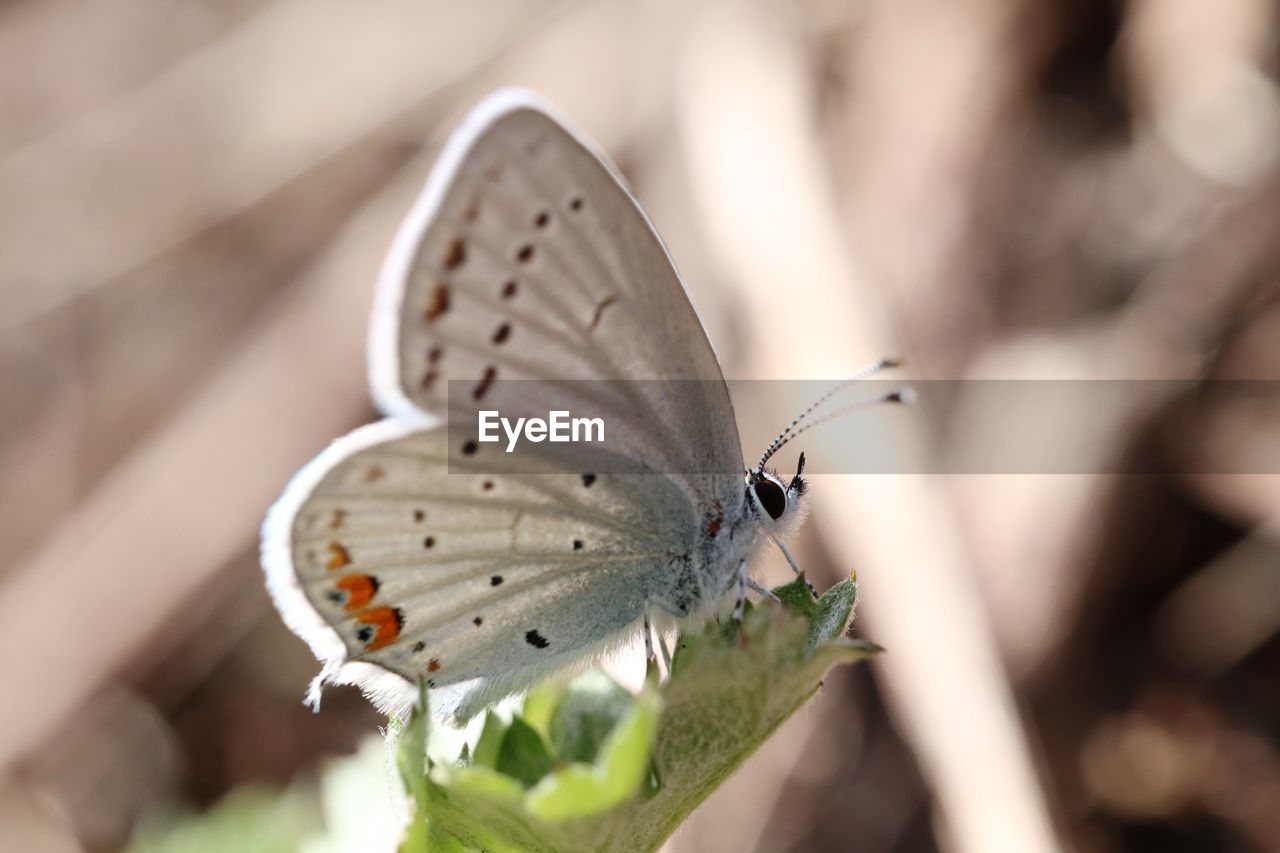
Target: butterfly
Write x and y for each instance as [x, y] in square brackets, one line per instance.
[409, 552]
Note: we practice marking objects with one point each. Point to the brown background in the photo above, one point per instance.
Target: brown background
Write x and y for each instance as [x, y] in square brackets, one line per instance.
[194, 199]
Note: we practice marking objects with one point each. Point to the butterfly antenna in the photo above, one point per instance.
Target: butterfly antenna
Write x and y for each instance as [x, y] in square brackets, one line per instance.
[787, 434]
[903, 396]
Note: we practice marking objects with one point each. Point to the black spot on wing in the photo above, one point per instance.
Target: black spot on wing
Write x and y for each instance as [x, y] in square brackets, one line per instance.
[536, 640]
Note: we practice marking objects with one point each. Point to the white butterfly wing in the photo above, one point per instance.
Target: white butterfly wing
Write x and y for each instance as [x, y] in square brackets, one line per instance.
[524, 258]
[476, 582]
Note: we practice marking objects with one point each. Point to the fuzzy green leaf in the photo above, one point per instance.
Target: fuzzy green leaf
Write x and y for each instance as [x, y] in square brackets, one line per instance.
[830, 616]
[411, 756]
[411, 761]
[580, 790]
[597, 769]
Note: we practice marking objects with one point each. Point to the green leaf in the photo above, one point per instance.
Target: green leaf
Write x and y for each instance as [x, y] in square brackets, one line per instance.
[411, 761]
[830, 615]
[585, 715]
[411, 756]
[796, 597]
[540, 706]
[440, 841]
[580, 789]
[593, 768]
[418, 838]
[479, 782]
[489, 744]
[524, 755]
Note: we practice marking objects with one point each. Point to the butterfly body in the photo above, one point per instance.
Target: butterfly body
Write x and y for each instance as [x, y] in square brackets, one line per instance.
[407, 550]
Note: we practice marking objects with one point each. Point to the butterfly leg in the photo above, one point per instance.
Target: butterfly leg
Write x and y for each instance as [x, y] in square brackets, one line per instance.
[791, 561]
[739, 607]
[762, 590]
[741, 601]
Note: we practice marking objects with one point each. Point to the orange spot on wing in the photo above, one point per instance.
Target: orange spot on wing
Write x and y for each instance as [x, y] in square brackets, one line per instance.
[339, 516]
[433, 665]
[338, 556]
[386, 622]
[359, 589]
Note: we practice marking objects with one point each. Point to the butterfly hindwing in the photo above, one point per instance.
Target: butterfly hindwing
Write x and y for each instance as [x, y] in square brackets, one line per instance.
[469, 578]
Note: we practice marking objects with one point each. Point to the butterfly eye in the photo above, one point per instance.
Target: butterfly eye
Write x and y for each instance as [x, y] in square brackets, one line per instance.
[771, 497]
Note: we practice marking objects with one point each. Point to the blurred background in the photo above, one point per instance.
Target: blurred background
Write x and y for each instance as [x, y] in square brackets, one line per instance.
[195, 198]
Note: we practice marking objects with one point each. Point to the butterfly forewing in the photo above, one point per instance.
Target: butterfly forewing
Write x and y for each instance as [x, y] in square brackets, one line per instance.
[530, 260]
